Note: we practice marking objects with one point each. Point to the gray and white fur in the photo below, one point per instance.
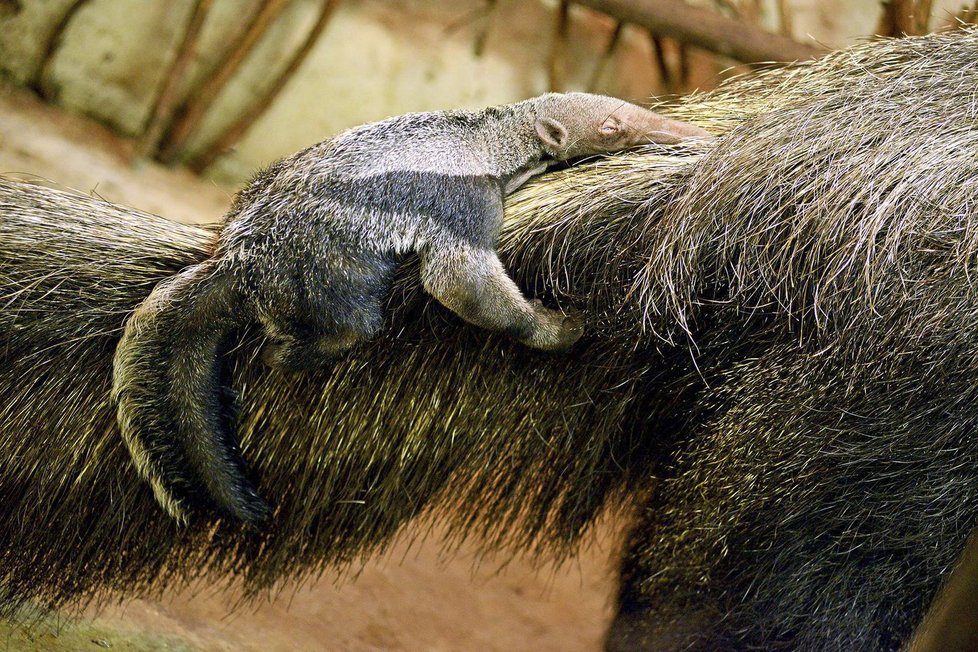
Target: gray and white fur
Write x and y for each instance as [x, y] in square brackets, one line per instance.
[308, 250]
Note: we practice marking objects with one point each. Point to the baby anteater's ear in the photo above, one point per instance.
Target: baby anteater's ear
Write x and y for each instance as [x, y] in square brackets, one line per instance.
[552, 134]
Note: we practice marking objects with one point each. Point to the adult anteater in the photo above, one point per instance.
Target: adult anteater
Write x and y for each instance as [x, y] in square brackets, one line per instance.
[779, 373]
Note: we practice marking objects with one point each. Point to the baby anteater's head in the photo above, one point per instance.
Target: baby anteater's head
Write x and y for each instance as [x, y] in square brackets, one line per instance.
[578, 124]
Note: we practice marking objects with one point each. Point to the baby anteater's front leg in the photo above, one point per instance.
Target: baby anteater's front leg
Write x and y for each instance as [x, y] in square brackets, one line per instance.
[471, 281]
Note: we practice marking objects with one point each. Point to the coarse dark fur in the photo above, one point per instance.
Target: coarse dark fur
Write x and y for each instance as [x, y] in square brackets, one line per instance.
[778, 369]
[308, 252]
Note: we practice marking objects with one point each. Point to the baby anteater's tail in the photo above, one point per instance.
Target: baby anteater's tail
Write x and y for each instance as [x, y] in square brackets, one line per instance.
[168, 386]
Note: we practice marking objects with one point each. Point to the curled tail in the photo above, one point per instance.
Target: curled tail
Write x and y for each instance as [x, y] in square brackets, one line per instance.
[168, 379]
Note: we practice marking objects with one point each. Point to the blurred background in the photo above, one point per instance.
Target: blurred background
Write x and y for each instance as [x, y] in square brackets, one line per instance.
[225, 86]
[168, 105]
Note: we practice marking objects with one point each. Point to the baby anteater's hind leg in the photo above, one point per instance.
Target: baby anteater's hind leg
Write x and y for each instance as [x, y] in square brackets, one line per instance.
[471, 281]
[330, 308]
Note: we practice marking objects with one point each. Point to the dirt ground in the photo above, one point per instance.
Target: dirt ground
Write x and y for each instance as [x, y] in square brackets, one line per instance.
[412, 599]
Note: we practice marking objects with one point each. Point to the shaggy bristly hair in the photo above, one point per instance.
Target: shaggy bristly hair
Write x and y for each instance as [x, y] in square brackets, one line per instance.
[778, 369]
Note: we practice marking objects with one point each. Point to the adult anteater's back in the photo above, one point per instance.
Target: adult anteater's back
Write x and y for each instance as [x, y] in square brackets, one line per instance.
[780, 362]
[524, 447]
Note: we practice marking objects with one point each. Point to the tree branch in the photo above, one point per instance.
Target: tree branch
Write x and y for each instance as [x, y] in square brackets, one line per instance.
[557, 66]
[239, 127]
[50, 46]
[167, 100]
[706, 29]
[194, 111]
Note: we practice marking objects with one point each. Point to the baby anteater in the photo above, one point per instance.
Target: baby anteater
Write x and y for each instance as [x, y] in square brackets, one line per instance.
[308, 250]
